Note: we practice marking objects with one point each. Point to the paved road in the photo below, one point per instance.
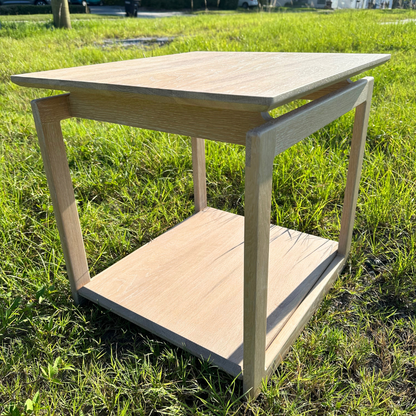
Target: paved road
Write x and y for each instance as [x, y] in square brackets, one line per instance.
[143, 13]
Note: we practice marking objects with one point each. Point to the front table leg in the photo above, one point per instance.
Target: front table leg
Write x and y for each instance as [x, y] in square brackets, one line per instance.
[258, 188]
[48, 112]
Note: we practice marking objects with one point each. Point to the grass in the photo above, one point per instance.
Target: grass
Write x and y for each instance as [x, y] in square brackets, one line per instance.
[48, 17]
[357, 355]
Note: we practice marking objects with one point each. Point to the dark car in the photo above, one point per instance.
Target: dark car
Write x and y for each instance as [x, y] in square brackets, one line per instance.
[85, 2]
[35, 2]
[132, 7]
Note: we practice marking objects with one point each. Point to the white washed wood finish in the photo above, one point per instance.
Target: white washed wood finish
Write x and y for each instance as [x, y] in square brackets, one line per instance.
[249, 81]
[258, 192]
[279, 347]
[327, 90]
[131, 110]
[291, 128]
[187, 285]
[199, 173]
[362, 114]
[47, 114]
[278, 135]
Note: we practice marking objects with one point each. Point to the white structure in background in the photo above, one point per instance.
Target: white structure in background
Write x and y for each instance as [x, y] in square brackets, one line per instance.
[358, 4]
[338, 4]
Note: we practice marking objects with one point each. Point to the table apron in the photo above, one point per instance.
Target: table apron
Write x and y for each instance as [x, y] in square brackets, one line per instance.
[295, 126]
[207, 123]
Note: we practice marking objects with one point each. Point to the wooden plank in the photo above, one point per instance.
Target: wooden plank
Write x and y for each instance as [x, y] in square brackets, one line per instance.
[362, 114]
[257, 206]
[250, 81]
[60, 186]
[199, 173]
[186, 286]
[53, 109]
[292, 127]
[324, 91]
[132, 110]
[301, 316]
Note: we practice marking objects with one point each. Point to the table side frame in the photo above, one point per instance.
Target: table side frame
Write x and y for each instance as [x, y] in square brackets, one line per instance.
[279, 134]
[263, 140]
[48, 113]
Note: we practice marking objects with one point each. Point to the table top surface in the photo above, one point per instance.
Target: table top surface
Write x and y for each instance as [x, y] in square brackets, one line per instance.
[252, 80]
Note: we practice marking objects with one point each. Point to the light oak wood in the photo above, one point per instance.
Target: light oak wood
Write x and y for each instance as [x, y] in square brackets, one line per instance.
[295, 325]
[257, 206]
[250, 81]
[362, 114]
[52, 109]
[60, 185]
[186, 286]
[327, 90]
[262, 143]
[233, 290]
[199, 173]
[294, 126]
[132, 110]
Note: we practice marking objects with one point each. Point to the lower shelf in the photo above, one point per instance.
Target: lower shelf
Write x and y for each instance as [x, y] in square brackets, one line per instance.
[186, 286]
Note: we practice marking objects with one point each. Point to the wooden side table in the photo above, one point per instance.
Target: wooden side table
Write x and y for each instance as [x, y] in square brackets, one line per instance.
[231, 289]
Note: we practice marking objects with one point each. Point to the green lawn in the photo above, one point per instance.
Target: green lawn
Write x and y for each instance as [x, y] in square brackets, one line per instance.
[357, 356]
[48, 17]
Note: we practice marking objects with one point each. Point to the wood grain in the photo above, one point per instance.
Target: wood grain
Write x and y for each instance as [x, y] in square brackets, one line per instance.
[359, 134]
[235, 291]
[253, 81]
[60, 186]
[257, 206]
[199, 173]
[279, 347]
[52, 109]
[285, 338]
[131, 110]
[186, 286]
[327, 90]
[294, 126]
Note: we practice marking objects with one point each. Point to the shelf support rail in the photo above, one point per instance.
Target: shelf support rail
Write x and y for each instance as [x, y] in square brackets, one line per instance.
[263, 143]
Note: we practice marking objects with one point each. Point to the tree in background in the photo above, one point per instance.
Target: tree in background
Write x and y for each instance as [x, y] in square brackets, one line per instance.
[60, 11]
[264, 3]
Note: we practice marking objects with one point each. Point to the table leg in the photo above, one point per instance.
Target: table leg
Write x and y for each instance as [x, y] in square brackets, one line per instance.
[362, 113]
[199, 173]
[258, 187]
[47, 114]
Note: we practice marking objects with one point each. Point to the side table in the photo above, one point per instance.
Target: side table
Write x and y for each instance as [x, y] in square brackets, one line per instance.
[231, 289]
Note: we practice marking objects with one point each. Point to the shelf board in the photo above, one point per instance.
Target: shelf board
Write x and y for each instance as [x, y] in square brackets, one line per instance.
[186, 286]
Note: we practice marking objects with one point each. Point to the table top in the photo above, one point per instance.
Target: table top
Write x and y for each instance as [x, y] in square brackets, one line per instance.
[251, 81]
